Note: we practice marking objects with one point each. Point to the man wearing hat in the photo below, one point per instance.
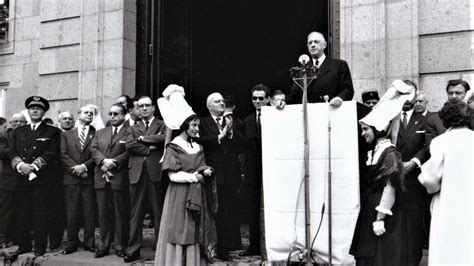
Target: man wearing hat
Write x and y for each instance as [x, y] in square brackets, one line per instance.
[370, 98]
[34, 153]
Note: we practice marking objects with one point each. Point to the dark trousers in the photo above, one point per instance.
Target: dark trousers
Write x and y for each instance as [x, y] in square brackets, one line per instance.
[255, 196]
[56, 213]
[6, 214]
[226, 218]
[114, 216]
[139, 193]
[79, 197]
[415, 215]
[32, 213]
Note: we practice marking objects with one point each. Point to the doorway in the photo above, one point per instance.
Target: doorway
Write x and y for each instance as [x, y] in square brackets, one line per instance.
[224, 46]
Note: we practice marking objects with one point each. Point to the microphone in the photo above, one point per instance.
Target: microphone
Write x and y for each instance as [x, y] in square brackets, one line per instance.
[326, 98]
[303, 59]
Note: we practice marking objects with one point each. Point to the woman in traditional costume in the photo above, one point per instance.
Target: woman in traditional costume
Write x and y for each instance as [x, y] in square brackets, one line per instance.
[187, 230]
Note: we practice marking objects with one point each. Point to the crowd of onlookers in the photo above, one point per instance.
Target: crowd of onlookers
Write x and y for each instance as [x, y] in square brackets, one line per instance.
[195, 177]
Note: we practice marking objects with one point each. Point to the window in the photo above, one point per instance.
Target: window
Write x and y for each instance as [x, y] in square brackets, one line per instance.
[4, 18]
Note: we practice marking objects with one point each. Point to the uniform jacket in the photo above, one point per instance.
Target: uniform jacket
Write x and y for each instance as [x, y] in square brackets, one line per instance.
[39, 147]
[72, 154]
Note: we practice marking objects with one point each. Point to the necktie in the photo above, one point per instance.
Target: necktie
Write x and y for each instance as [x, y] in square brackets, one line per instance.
[404, 120]
[258, 118]
[317, 62]
[115, 132]
[34, 128]
[82, 137]
[219, 124]
[146, 125]
[258, 124]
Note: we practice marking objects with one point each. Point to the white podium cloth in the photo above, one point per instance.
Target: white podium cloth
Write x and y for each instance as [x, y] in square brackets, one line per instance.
[283, 170]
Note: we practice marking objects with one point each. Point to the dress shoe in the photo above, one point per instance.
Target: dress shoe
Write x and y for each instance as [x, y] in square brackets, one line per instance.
[120, 253]
[101, 253]
[131, 257]
[90, 249]
[54, 246]
[249, 252]
[69, 250]
[224, 256]
[10, 258]
[39, 252]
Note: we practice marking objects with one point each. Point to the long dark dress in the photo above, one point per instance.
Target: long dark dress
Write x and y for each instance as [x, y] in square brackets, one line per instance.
[389, 248]
[187, 230]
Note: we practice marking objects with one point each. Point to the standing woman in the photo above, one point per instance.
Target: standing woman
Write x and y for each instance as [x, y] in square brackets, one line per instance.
[379, 237]
[187, 231]
[448, 174]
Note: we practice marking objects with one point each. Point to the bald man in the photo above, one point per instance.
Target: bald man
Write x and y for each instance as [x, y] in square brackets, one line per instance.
[65, 121]
[17, 120]
[221, 147]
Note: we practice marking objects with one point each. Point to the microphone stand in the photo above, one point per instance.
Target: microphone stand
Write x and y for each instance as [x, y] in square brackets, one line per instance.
[326, 98]
[305, 73]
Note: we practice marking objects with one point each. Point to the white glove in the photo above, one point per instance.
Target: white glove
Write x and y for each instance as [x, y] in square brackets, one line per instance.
[379, 227]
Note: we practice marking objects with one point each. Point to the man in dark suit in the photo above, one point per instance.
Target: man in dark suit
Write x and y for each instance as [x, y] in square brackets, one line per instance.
[145, 146]
[111, 182]
[456, 89]
[7, 188]
[34, 153]
[220, 144]
[253, 166]
[78, 180]
[334, 77]
[411, 145]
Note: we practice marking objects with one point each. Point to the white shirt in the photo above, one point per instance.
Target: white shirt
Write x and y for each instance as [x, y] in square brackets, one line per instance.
[320, 60]
[118, 129]
[35, 125]
[409, 113]
[79, 130]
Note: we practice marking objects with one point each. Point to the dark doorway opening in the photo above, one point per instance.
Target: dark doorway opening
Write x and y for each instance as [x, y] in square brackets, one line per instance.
[224, 46]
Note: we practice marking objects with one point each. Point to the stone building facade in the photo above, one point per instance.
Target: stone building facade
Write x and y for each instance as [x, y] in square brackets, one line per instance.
[75, 52]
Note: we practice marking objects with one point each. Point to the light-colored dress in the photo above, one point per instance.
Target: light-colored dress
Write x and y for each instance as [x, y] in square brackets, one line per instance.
[449, 174]
[187, 229]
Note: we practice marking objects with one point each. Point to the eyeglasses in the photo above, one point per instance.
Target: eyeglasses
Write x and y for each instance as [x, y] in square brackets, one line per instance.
[114, 113]
[144, 105]
[260, 98]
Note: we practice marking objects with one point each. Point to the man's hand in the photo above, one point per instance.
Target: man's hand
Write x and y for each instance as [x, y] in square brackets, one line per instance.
[109, 163]
[140, 138]
[281, 105]
[78, 169]
[152, 148]
[335, 102]
[228, 121]
[408, 166]
[26, 169]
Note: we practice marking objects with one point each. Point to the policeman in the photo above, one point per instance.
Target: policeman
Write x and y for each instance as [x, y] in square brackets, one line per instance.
[34, 154]
[370, 97]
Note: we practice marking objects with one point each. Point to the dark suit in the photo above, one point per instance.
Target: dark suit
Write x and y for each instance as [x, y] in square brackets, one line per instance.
[78, 190]
[7, 187]
[113, 196]
[41, 148]
[411, 144]
[223, 157]
[434, 128]
[334, 79]
[253, 178]
[144, 173]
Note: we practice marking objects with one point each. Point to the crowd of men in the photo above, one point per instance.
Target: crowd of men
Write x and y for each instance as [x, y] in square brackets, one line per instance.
[61, 177]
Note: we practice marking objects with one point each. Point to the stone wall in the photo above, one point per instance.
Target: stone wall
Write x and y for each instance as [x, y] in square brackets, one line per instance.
[426, 41]
[70, 52]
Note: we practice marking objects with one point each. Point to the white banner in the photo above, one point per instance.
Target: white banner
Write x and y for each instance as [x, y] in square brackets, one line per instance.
[283, 170]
